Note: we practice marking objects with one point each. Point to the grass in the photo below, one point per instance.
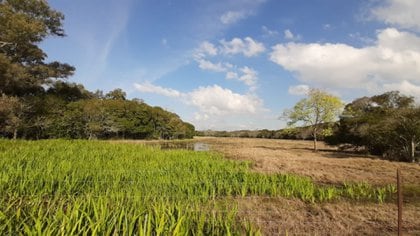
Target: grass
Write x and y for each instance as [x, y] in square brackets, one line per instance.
[58, 187]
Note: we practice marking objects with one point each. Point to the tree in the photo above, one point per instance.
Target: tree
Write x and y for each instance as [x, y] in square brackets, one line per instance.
[387, 124]
[116, 94]
[23, 25]
[407, 130]
[11, 115]
[318, 108]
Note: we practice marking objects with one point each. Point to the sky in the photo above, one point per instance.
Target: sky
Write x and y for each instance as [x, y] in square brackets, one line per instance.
[237, 64]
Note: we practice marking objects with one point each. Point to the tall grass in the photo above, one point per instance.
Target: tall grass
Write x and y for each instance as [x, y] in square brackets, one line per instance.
[59, 187]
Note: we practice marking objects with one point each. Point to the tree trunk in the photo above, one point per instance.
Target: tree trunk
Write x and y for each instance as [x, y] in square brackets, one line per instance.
[315, 144]
[413, 150]
[15, 133]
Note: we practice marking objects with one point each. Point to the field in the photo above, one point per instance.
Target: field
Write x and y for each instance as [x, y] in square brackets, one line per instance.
[245, 186]
[326, 167]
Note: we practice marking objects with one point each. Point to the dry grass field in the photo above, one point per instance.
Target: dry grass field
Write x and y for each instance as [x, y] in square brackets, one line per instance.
[327, 166]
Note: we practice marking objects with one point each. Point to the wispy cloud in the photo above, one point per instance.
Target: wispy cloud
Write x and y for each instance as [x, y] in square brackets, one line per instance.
[290, 36]
[268, 32]
[231, 17]
[148, 87]
[97, 41]
[301, 89]
[248, 47]
[208, 65]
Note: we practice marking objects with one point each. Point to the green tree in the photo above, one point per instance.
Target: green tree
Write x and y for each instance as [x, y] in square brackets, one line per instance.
[116, 94]
[11, 115]
[23, 25]
[318, 108]
[407, 131]
[387, 124]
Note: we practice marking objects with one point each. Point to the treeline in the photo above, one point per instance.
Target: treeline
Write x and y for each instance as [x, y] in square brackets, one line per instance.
[387, 125]
[295, 133]
[36, 101]
[69, 111]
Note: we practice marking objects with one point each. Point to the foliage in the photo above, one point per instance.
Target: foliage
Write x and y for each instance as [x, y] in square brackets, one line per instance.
[23, 25]
[60, 187]
[386, 124]
[318, 108]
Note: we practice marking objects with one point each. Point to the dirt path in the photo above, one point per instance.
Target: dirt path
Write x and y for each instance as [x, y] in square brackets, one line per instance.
[325, 166]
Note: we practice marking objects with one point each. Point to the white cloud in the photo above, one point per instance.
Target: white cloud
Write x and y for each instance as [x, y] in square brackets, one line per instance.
[404, 87]
[249, 77]
[206, 48]
[290, 36]
[402, 13]
[247, 47]
[150, 88]
[301, 89]
[232, 17]
[208, 65]
[393, 58]
[210, 100]
[231, 75]
[201, 117]
[215, 100]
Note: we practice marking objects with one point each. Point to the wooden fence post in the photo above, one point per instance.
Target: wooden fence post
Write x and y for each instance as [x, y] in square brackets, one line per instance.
[400, 201]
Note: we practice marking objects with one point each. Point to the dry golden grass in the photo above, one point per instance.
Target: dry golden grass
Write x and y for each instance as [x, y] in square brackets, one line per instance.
[325, 166]
[280, 216]
[293, 217]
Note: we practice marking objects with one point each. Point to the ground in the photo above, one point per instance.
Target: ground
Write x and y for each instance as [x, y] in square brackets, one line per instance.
[281, 216]
[327, 166]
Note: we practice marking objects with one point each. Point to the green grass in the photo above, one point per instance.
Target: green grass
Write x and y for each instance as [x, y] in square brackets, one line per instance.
[58, 187]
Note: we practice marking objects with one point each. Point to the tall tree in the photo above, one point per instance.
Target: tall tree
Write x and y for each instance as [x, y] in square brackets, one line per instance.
[23, 25]
[318, 108]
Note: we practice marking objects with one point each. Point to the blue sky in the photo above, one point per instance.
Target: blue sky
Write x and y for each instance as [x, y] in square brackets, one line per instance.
[237, 64]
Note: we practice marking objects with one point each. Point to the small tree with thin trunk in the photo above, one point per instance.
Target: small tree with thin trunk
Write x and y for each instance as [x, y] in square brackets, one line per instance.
[318, 108]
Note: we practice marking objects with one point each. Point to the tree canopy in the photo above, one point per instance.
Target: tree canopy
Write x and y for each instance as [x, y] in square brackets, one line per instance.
[23, 25]
[386, 124]
[318, 108]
